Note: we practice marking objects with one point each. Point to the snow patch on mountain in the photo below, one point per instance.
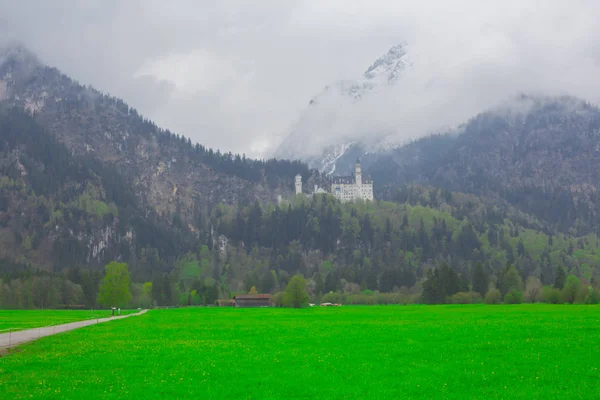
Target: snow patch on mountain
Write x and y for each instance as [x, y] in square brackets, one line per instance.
[389, 67]
[332, 123]
[327, 163]
[384, 71]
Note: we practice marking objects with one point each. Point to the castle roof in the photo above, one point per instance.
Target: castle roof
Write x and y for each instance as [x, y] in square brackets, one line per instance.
[349, 179]
[343, 179]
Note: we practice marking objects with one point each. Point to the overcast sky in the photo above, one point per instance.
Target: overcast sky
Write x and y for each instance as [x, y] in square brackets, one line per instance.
[236, 74]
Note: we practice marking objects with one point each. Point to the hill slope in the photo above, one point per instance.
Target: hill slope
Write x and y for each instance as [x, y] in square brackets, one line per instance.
[164, 168]
[85, 179]
[111, 181]
[59, 210]
[541, 155]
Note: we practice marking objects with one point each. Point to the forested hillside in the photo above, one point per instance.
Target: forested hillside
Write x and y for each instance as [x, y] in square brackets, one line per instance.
[352, 249]
[166, 171]
[60, 210]
[85, 180]
[542, 155]
[384, 247]
[374, 247]
[380, 246]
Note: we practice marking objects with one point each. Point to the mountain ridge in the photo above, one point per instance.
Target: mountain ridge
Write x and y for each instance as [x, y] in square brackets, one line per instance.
[172, 180]
[84, 180]
[323, 112]
[128, 136]
[541, 155]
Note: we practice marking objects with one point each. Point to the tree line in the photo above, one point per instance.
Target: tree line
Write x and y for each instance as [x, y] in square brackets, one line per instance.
[350, 249]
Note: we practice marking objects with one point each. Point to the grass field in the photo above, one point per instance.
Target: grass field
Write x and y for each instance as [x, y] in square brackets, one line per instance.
[393, 352]
[26, 319]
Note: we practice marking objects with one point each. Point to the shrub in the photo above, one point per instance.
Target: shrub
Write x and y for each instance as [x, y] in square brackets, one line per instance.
[510, 280]
[360, 299]
[533, 289]
[513, 297]
[571, 289]
[493, 296]
[386, 298]
[277, 299]
[465, 298]
[332, 297]
[296, 292]
[593, 296]
[405, 298]
[551, 295]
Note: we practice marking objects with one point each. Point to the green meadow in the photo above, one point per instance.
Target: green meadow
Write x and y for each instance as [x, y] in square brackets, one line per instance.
[378, 352]
[27, 319]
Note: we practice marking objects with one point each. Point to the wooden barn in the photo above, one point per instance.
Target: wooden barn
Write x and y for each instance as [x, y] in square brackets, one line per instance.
[226, 303]
[253, 300]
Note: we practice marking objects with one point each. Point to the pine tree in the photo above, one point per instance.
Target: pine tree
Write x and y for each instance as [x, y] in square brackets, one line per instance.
[480, 280]
[404, 222]
[510, 280]
[561, 278]
[331, 282]
[319, 283]
[492, 236]
[157, 289]
[520, 249]
[463, 283]
[449, 283]
[431, 288]
[267, 282]
[570, 249]
[167, 292]
[387, 236]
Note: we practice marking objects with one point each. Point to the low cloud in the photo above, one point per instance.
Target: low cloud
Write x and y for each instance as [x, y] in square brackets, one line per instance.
[237, 75]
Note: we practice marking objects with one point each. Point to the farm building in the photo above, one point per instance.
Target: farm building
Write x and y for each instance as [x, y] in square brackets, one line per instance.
[253, 300]
[226, 303]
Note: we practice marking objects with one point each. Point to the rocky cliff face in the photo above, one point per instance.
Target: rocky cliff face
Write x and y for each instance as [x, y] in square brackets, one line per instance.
[105, 152]
[57, 209]
[165, 169]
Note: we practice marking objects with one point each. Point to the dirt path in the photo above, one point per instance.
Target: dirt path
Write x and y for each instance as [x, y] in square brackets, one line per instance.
[15, 338]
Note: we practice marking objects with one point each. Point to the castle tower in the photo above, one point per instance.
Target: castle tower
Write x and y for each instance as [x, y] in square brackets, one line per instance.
[358, 173]
[298, 184]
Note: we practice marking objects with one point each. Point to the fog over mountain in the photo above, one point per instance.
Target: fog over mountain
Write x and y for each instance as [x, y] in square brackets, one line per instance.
[238, 76]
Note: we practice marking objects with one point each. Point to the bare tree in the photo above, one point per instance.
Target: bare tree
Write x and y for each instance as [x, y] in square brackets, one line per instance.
[533, 288]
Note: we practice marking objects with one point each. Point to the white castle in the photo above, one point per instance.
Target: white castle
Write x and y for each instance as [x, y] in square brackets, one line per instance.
[345, 189]
[318, 190]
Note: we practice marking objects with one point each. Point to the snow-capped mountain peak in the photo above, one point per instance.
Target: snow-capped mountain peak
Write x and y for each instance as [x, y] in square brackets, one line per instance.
[386, 70]
[325, 131]
[389, 67]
